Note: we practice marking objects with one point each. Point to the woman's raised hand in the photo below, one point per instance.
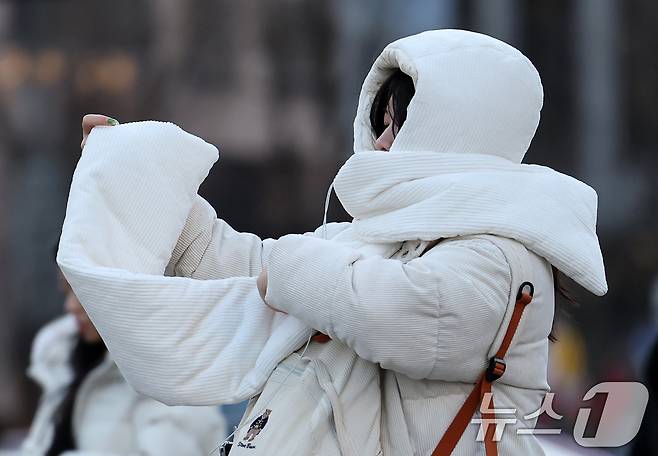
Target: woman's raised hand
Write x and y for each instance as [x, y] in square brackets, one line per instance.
[90, 121]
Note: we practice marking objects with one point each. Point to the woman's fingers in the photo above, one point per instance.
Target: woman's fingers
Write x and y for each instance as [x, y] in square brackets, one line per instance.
[89, 121]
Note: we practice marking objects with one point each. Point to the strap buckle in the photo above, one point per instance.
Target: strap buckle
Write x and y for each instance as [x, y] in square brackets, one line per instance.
[495, 370]
[531, 292]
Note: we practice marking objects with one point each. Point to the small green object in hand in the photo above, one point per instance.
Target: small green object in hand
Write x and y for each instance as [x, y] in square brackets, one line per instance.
[112, 122]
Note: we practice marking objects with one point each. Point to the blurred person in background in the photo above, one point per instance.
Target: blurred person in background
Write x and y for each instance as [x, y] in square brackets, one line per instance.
[88, 409]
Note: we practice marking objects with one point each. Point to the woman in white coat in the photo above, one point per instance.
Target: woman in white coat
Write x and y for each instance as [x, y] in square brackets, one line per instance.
[88, 409]
[415, 295]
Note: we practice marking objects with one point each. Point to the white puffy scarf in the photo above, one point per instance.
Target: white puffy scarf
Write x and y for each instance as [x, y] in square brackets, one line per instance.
[408, 195]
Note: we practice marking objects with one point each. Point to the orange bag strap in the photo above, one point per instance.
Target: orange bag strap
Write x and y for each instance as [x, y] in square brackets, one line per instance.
[494, 371]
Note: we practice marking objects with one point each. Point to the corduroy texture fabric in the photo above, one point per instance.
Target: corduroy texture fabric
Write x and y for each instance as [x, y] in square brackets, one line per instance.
[431, 323]
[397, 196]
[189, 341]
[455, 166]
[474, 94]
[130, 198]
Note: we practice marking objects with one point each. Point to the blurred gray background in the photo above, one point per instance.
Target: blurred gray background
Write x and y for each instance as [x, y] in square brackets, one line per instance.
[274, 84]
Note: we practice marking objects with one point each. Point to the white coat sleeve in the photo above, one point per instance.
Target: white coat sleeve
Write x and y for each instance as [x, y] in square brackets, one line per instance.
[209, 248]
[434, 317]
[180, 340]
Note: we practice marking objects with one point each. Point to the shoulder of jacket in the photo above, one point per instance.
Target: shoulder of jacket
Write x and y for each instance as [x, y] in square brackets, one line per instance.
[511, 250]
[475, 242]
[493, 251]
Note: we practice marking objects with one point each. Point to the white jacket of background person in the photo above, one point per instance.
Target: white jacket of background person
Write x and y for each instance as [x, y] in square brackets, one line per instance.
[410, 333]
[109, 417]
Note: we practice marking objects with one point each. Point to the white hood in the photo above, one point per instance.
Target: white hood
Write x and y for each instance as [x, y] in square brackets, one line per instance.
[455, 166]
[474, 94]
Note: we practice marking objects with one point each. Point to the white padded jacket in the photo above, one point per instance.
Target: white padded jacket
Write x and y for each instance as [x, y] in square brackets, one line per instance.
[413, 332]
